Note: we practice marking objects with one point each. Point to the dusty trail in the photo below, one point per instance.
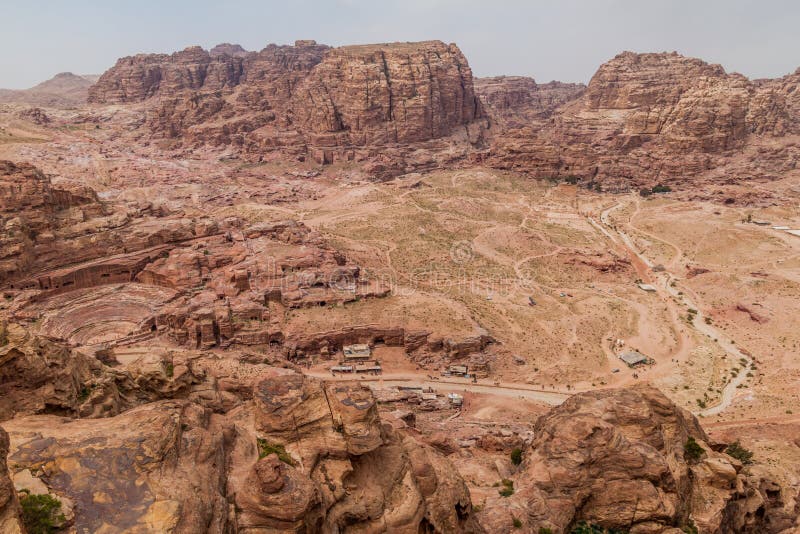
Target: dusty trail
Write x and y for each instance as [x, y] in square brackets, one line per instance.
[665, 286]
[504, 389]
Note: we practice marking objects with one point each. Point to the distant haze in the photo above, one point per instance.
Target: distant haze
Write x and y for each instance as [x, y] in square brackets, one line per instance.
[557, 39]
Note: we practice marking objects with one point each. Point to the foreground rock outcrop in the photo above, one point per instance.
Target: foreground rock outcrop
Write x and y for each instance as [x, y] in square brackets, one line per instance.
[622, 459]
[349, 471]
[303, 457]
[9, 505]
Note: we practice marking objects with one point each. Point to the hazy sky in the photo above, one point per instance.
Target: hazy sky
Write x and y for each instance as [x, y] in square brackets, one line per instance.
[558, 39]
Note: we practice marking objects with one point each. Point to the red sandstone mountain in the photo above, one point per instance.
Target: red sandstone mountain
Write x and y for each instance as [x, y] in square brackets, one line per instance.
[648, 118]
[336, 104]
[643, 119]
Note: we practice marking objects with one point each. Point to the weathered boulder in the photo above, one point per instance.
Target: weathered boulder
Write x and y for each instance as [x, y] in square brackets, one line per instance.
[618, 459]
[156, 468]
[360, 473]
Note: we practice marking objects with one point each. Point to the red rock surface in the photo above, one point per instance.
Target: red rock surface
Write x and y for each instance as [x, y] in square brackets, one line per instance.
[616, 459]
[307, 99]
[661, 118]
[9, 506]
[518, 101]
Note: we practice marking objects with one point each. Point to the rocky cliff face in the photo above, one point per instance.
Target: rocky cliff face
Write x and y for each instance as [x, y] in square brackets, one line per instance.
[618, 459]
[518, 101]
[9, 506]
[31, 209]
[646, 118]
[306, 99]
[381, 94]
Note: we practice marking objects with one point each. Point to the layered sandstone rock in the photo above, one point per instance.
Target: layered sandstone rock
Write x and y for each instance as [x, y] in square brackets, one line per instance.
[342, 469]
[518, 101]
[381, 94]
[308, 100]
[157, 468]
[618, 459]
[10, 522]
[659, 118]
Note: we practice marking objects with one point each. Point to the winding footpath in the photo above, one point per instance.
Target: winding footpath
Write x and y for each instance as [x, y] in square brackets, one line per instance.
[699, 321]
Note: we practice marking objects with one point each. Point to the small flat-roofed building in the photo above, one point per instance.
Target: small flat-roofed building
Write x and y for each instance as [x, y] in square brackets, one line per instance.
[458, 369]
[342, 369]
[357, 352]
[374, 369]
[634, 358]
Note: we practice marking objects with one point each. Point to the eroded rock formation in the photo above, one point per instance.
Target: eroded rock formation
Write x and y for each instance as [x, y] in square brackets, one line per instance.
[661, 118]
[618, 459]
[9, 505]
[307, 99]
[350, 471]
[518, 101]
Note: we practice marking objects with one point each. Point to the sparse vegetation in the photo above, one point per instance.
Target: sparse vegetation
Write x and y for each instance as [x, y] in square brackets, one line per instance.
[266, 448]
[41, 514]
[692, 451]
[586, 528]
[657, 189]
[516, 456]
[736, 450]
[169, 369]
[517, 523]
[545, 530]
[690, 528]
[508, 488]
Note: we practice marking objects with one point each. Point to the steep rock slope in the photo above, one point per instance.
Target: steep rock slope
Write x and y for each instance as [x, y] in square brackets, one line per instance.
[345, 103]
[9, 506]
[650, 118]
[621, 459]
[518, 101]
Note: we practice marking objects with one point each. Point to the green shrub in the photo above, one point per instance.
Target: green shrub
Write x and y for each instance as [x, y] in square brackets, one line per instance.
[736, 450]
[266, 448]
[692, 451]
[585, 528]
[517, 523]
[169, 369]
[507, 489]
[41, 514]
[690, 528]
[545, 530]
[516, 456]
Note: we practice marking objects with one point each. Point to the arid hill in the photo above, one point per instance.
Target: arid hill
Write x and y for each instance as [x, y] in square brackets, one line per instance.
[62, 90]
